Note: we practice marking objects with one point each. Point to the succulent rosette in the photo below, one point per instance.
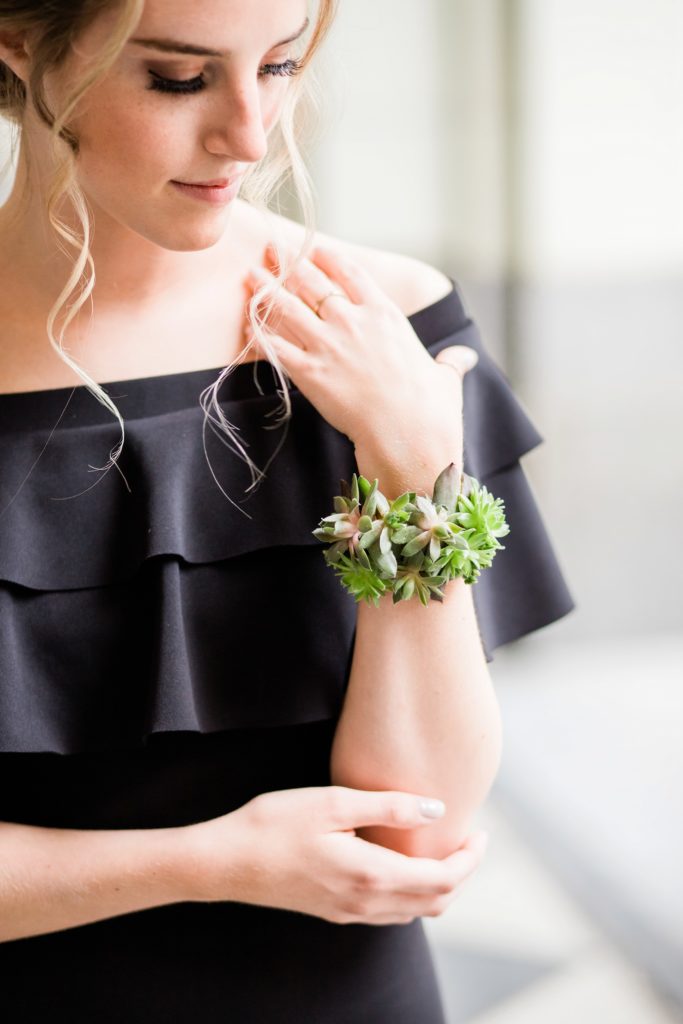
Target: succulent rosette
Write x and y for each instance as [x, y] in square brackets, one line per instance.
[413, 545]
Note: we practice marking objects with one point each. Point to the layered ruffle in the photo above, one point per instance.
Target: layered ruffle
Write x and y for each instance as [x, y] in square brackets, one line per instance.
[163, 608]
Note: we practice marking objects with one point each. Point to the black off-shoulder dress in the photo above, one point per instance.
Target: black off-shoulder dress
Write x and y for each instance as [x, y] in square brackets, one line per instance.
[155, 671]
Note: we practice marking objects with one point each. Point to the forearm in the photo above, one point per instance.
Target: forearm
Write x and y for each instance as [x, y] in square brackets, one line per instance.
[420, 713]
[54, 878]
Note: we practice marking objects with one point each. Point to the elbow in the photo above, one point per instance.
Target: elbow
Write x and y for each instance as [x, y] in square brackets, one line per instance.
[464, 795]
[440, 837]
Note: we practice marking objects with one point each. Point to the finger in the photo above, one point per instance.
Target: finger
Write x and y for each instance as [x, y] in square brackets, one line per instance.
[353, 808]
[461, 357]
[292, 357]
[407, 876]
[275, 325]
[420, 906]
[467, 857]
[311, 285]
[291, 317]
[291, 257]
[450, 873]
[353, 278]
[304, 278]
[429, 906]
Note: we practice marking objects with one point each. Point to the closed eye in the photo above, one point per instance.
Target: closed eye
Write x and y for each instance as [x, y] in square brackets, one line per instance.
[196, 84]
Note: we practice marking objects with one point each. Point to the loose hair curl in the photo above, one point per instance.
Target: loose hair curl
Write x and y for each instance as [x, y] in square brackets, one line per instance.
[53, 27]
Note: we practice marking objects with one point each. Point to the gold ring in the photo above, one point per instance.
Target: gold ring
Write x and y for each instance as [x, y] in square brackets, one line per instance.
[325, 298]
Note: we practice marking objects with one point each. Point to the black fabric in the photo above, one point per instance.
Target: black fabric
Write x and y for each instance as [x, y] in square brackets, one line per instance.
[128, 612]
[200, 963]
[165, 657]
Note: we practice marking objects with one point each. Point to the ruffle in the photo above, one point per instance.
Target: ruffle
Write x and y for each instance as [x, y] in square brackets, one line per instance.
[63, 528]
[51, 540]
[165, 608]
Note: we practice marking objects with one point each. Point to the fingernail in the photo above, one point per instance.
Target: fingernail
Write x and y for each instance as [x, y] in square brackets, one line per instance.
[432, 808]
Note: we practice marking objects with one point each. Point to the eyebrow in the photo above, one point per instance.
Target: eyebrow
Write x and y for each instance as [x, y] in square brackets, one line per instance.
[175, 46]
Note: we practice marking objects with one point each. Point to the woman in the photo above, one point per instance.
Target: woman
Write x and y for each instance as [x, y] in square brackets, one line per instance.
[212, 757]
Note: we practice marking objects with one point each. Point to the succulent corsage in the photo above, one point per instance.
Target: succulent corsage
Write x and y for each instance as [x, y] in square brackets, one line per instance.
[411, 545]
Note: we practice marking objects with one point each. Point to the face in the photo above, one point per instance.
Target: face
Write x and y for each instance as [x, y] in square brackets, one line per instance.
[161, 117]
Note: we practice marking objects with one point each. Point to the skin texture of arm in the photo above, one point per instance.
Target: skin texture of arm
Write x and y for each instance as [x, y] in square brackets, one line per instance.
[54, 878]
[420, 715]
[420, 712]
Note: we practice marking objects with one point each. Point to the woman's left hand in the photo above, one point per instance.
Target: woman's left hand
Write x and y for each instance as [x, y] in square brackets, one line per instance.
[361, 364]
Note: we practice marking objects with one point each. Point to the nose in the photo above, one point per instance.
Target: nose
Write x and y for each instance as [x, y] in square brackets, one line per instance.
[237, 129]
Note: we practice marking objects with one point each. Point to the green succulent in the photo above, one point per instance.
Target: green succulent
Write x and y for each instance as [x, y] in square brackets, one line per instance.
[461, 559]
[412, 545]
[411, 581]
[359, 578]
[482, 512]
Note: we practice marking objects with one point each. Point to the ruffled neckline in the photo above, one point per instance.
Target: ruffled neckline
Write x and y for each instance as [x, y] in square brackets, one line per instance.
[64, 530]
[162, 607]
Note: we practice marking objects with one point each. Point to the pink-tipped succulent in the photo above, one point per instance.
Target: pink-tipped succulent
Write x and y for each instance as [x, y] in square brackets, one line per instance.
[412, 545]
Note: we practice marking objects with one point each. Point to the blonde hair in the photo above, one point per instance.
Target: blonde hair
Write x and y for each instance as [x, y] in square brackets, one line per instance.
[53, 28]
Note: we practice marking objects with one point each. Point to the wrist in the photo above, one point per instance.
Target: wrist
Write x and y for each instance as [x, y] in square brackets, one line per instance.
[206, 860]
[409, 542]
[173, 862]
[404, 467]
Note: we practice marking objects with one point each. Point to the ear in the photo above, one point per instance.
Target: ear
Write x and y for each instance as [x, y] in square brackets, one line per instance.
[14, 53]
[462, 357]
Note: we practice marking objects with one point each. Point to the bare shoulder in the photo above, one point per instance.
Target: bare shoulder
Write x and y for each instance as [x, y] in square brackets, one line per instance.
[411, 283]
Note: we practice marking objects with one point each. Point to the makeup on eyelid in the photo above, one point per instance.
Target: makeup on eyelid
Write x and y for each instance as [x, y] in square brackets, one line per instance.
[285, 69]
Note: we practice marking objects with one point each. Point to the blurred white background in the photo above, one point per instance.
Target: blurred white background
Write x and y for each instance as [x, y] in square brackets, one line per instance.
[533, 150]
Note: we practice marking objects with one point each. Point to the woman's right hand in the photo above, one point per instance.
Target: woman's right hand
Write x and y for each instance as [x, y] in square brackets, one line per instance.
[296, 849]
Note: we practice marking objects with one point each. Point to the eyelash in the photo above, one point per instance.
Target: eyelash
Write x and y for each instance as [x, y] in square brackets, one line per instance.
[188, 85]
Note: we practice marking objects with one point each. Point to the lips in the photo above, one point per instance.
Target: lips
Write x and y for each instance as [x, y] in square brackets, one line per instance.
[214, 183]
[213, 194]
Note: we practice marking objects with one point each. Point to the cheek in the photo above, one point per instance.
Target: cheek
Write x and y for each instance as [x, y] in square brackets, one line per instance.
[128, 143]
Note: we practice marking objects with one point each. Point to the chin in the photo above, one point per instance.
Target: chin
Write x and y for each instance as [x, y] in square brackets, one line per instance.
[193, 237]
